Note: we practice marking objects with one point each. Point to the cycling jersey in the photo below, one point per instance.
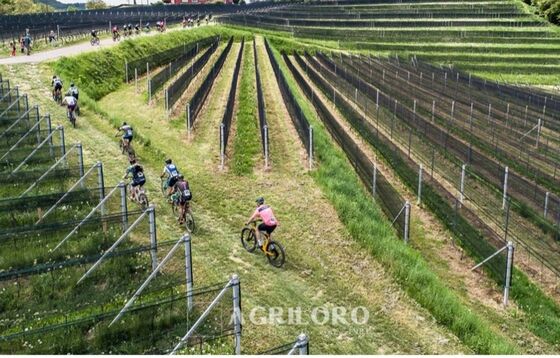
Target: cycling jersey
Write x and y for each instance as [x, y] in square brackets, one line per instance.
[74, 92]
[70, 101]
[266, 214]
[57, 84]
[127, 131]
[183, 188]
[171, 170]
[137, 173]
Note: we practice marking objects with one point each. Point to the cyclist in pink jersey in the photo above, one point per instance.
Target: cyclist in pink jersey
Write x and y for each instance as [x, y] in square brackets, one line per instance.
[269, 222]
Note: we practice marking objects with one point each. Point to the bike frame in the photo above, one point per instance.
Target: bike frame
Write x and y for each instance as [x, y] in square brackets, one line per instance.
[267, 236]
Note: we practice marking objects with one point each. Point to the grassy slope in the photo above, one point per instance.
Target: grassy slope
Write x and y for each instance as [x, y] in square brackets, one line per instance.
[247, 136]
[497, 68]
[219, 199]
[356, 210]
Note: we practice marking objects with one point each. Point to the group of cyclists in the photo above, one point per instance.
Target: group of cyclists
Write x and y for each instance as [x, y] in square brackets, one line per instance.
[177, 189]
[70, 99]
[129, 30]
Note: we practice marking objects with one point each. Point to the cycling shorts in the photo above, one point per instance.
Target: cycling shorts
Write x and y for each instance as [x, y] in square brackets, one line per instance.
[71, 107]
[172, 181]
[137, 182]
[127, 137]
[266, 228]
[58, 86]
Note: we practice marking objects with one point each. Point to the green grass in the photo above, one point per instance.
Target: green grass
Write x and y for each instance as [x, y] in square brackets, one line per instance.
[226, 197]
[367, 225]
[542, 312]
[321, 261]
[247, 137]
[102, 72]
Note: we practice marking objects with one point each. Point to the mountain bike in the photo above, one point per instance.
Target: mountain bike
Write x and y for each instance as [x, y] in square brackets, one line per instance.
[57, 97]
[184, 212]
[94, 41]
[272, 249]
[140, 196]
[126, 147]
[71, 116]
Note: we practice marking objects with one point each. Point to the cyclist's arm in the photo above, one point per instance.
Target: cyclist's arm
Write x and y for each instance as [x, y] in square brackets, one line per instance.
[253, 217]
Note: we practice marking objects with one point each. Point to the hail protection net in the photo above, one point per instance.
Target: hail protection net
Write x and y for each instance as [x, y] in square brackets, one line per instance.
[82, 313]
[228, 113]
[217, 327]
[296, 113]
[260, 99]
[390, 200]
[176, 89]
[197, 100]
[191, 50]
[399, 100]
[58, 177]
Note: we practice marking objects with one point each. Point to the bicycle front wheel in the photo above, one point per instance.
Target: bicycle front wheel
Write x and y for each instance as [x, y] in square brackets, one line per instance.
[276, 255]
[163, 187]
[248, 239]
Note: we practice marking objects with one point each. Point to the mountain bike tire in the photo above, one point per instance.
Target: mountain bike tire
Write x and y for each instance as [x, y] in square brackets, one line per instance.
[276, 256]
[248, 239]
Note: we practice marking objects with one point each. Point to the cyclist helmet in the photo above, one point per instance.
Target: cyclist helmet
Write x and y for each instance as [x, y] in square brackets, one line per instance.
[71, 84]
[260, 200]
[133, 161]
[168, 161]
[124, 123]
[181, 177]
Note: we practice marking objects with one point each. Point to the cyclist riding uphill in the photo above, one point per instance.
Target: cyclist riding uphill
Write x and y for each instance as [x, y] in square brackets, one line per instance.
[73, 91]
[138, 178]
[264, 213]
[172, 173]
[70, 102]
[127, 133]
[182, 194]
[56, 83]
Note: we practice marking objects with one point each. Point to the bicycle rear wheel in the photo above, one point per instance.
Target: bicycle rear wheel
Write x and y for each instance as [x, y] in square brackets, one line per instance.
[189, 222]
[248, 239]
[143, 201]
[276, 255]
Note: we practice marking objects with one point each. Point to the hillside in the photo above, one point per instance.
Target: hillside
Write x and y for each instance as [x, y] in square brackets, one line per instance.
[392, 139]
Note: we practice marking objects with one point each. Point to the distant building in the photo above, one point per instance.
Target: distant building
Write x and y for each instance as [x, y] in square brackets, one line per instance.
[178, 2]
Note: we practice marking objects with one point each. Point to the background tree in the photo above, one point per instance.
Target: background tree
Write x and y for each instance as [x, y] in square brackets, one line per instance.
[96, 4]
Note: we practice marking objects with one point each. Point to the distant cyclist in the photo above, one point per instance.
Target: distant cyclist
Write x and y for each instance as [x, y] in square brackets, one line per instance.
[56, 84]
[138, 178]
[183, 193]
[73, 91]
[172, 173]
[52, 36]
[115, 31]
[128, 133]
[264, 213]
[70, 103]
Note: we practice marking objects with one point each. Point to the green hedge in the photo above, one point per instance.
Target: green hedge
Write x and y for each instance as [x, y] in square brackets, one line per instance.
[99, 73]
